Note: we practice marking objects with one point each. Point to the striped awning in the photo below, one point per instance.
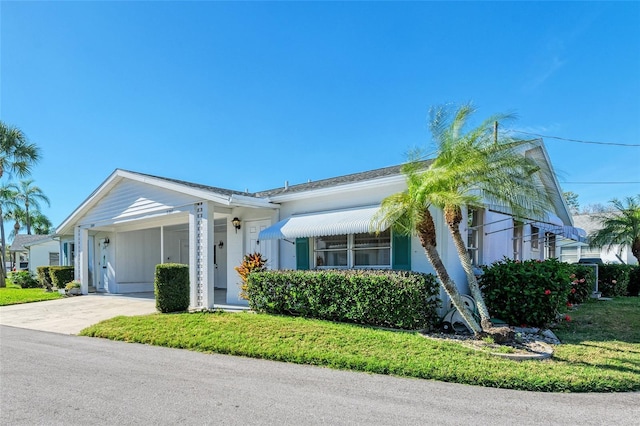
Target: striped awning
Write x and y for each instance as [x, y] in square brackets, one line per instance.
[336, 222]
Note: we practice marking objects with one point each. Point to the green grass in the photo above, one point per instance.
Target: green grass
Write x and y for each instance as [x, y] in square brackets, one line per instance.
[13, 295]
[601, 353]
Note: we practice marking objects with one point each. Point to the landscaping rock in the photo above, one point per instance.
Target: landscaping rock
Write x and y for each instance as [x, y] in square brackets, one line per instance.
[501, 334]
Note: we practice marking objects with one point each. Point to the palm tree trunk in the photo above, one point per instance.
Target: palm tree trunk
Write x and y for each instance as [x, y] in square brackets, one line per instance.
[461, 248]
[3, 269]
[427, 234]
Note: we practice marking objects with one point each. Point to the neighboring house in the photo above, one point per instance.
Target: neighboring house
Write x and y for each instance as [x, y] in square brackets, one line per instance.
[21, 259]
[134, 221]
[43, 252]
[573, 251]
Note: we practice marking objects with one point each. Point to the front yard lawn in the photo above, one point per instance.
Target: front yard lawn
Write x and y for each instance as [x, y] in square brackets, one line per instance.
[13, 295]
[601, 350]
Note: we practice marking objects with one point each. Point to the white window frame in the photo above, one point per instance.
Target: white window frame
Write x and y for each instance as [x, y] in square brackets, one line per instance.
[351, 252]
[474, 236]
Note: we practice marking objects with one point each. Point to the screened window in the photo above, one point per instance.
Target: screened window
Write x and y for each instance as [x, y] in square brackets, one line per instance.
[474, 242]
[54, 259]
[535, 236]
[517, 240]
[353, 251]
[549, 245]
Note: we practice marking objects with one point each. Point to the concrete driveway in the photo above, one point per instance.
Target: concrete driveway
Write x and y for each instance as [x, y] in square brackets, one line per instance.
[72, 314]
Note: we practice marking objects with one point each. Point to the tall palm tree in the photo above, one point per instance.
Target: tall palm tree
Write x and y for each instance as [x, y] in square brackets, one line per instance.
[476, 167]
[470, 168]
[621, 226]
[17, 156]
[30, 195]
[15, 213]
[41, 224]
[7, 204]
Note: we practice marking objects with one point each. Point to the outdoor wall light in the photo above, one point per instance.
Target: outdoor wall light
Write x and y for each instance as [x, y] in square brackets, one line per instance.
[105, 242]
[236, 223]
[221, 244]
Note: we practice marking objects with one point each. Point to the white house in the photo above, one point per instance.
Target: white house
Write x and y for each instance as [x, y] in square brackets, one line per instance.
[573, 251]
[43, 252]
[30, 251]
[134, 221]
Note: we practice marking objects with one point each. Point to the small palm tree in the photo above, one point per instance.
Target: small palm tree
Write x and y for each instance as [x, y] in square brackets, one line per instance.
[470, 168]
[620, 226]
[15, 214]
[7, 203]
[476, 167]
[30, 196]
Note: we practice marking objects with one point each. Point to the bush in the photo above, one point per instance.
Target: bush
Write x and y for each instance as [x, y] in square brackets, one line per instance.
[171, 287]
[530, 292]
[250, 263]
[24, 279]
[613, 279]
[61, 275]
[582, 284]
[44, 277]
[396, 299]
[633, 288]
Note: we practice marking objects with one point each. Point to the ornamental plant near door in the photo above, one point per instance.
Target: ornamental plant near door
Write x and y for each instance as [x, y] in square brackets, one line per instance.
[250, 263]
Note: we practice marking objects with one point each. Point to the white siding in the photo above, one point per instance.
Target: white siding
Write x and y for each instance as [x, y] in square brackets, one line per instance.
[130, 199]
[39, 254]
[137, 254]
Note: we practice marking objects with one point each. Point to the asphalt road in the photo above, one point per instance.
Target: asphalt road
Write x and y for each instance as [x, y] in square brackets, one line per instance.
[48, 378]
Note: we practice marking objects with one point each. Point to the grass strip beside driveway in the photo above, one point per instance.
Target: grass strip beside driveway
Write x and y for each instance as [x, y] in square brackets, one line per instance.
[581, 365]
[13, 295]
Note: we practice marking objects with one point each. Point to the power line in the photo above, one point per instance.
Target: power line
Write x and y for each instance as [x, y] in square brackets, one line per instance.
[578, 140]
[603, 183]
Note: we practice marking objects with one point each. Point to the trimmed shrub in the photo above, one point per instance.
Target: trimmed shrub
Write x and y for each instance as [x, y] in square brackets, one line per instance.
[395, 299]
[613, 279]
[582, 284]
[633, 289]
[61, 275]
[44, 277]
[530, 292]
[24, 279]
[171, 287]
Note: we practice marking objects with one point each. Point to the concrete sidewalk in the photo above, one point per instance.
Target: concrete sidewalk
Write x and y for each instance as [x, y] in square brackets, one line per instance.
[72, 314]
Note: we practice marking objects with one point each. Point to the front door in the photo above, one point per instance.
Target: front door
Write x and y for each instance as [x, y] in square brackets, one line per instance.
[103, 268]
[253, 244]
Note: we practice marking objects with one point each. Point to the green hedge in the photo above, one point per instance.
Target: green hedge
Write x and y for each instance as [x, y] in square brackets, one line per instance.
[396, 299]
[24, 279]
[526, 293]
[582, 283]
[613, 279]
[44, 277]
[171, 287]
[61, 275]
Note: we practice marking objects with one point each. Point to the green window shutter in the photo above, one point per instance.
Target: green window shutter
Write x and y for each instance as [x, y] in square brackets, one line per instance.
[401, 254]
[302, 253]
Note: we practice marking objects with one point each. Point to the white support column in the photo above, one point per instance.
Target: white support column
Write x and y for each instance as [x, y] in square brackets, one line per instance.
[81, 264]
[201, 240]
[193, 283]
[161, 244]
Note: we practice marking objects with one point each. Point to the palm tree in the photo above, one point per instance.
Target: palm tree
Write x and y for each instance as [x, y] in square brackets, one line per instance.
[7, 204]
[408, 212]
[478, 167]
[16, 214]
[469, 168]
[41, 224]
[17, 156]
[621, 226]
[31, 196]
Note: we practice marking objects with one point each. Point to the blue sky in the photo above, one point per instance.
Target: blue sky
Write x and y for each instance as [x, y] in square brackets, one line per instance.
[246, 95]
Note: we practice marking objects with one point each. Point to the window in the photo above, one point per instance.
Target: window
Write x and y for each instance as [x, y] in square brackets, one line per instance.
[474, 239]
[535, 235]
[517, 240]
[54, 259]
[353, 251]
[549, 245]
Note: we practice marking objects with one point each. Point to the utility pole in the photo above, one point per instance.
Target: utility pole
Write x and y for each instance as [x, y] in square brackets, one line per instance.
[495, 132]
